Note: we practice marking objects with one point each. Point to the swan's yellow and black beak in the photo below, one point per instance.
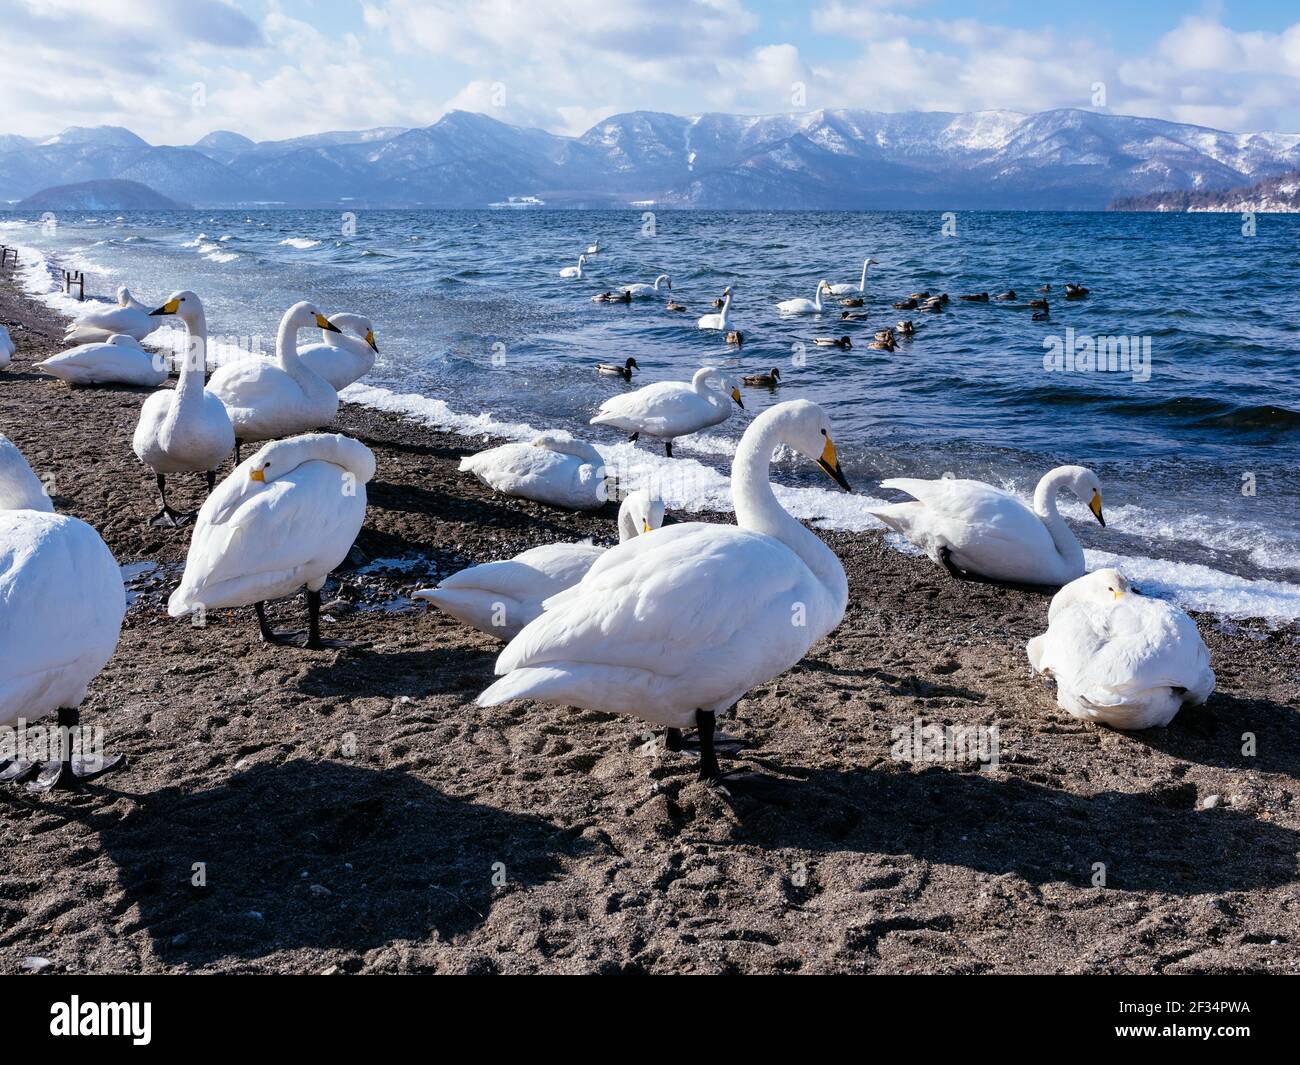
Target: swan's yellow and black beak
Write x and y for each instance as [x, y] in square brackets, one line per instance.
[257, 475]
[326, 324]
[370, 339]
[735, 394]
[170, 307]
[830, 464]
[1117, 593]
[645, 527]
[1095, 506]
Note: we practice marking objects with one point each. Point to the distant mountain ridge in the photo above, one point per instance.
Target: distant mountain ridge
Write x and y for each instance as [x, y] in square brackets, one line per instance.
[110, 194]
[1279, 195]
[1056, 160]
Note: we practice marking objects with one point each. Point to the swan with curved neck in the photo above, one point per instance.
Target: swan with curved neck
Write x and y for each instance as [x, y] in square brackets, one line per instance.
[642, 289]
[128, 317]
[845, 290]
[676, 627]
[575, 271]
[186, 430]
[801, 306]
[974, 529]
[720, 320]
[345, 353]
[666, 410]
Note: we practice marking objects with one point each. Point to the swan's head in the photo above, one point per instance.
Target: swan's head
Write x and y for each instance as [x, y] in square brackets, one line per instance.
[304, 315]
[582, 260]
[732, 388]
[184, 304]
[1103, 586]
[356, 324]
[643, 512]
[805, 427]
[123, 296]
[668, 281]
[871, 262]
[123, 340]
[1084, 484]
[284, 456]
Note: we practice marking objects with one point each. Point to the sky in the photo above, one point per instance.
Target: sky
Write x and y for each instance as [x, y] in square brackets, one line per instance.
[174, 70]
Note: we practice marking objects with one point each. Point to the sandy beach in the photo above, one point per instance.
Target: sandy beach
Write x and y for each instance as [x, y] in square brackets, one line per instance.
[356, 812]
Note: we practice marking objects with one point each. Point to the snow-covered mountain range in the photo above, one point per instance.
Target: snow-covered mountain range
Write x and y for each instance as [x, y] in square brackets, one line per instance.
[1058, 160]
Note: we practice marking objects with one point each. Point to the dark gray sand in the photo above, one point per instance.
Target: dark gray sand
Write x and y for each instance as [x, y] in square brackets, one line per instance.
[355, 812]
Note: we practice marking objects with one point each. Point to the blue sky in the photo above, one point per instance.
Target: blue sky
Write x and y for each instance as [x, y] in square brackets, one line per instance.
[173, 70]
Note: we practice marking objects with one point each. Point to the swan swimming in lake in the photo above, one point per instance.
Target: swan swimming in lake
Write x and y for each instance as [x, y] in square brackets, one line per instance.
[1121, 658]
[720, 320]
[119, 360]
[63, 604]
[186, 430]
[345, 353]
[129, 317]
[845, 290]
[555, 468]
[801, 306]
[970, 527]
[574, 271]
[674, 628]
[666, 410]
[500, 598]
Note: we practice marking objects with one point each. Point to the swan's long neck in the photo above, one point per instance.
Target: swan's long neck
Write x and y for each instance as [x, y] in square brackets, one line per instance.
[817, 299]
[627, 529]
[286, 350]
[20, 488]
[1067, 544]
[189, 387]
[661, 277]
[757, 508]
[862, 285]
[726, 309]
[700, 382]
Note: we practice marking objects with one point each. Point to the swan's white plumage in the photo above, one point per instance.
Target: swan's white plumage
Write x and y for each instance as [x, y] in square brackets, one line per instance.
[129, 317]
[860, 287]
[61, 599]
[669, 409]
[256, 540]
[119, 360]
[342, 357]
[7, 348]
[554, 468]
[641, 290]
[721, 320]
[802, 306]
[574, 271]
[1121, 658]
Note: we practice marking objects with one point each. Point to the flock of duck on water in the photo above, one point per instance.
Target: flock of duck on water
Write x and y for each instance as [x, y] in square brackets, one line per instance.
[672, 625]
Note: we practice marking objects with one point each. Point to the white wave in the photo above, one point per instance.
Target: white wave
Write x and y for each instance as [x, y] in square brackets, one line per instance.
[302, 243]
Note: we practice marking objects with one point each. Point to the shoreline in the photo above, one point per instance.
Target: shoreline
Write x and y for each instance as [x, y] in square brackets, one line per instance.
[350, 809]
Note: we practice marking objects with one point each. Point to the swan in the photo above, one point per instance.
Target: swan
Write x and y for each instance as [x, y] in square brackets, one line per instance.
[270, 399]
[575, 271]
[346, 353]
[800, 306]
[1119, 657]
[500, 598]
[284, 518]
[555, 468]
[613, 369]
[844, 290]
[119, 360]
[676, 627]
[187, 429]
[593, 248]
[640, 290]
[7, 347]
[972, 528]
[63, 604]
[721, 320]
[129, 317]
[666, 410]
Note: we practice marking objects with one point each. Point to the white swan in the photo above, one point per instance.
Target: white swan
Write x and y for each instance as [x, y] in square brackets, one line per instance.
[641, 289]
[63, 604]
[271, 399]
[286, 517]
[1119, 657]
[500, 598]
[800, 306]
[970, 527]
[575, 271]
[844, 290]
[345, 353]
[7, 347]
[666, 410]
[554, 468]
[186, 430]
[593, 248]
[119, 360]
[129, 317]
[676, 627]
[720, 320]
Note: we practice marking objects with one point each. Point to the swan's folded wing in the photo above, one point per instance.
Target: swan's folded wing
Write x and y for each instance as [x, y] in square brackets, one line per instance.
[664, 406]
[536, 574]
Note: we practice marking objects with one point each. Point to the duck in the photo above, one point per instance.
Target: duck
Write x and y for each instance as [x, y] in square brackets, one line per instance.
[802, 306]
[1038, 305]
[1121, 658]
[554, 467]
[129, 317]
[1009, 294]
[844, 290]
[641, 290]
[610, 297]
[284, 519]
[718, 303]
[674, 628]
[919, 296]
[7, 347]
[613, 369]
[933, 306]
[1041, 315]
[345, 353]
[674, 306]
[850, 316]
[185, 430]
[735, 338]
[575, 271]
[666, 410]
[974, 529]
[1075, 292]
[885, 334]
[286, 397]
[909, 304]
[63, 608]
[764, 380]
[119, 360]
[721, 320]
[905, 327]
[833, 342]
[852, 301]
[977, 297]
[500, 598]
[886, 343]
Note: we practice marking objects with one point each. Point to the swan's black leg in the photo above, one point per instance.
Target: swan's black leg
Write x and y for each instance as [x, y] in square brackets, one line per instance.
[668, 448]
[672, 739]
[212, 480]
[238, 444]
[269, 635]
[314, 640]
[71, 771]
[633, 438]
[709, 771]
[167, 517]
[945, 558]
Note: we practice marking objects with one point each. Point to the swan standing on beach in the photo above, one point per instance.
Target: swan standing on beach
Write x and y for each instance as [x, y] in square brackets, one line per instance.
[286, 517]
[119, 360]
[676, 627]
[7, 348]
[641, 289]
[801, 306]
[186, 430]
[721, 320]
[266, 399]
[500, 598]
[63, 607]
[1119, 657]
[972, 528]
[575, 271]
[845, 290]
[554, 468]
[666, 410]
[129, 318]
[345, 353]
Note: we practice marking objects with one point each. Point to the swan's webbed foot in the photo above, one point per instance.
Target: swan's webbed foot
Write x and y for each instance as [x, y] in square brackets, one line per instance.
[311, 640]
[167, 518]
[70, 773]
[945, 560]
[11, 772]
